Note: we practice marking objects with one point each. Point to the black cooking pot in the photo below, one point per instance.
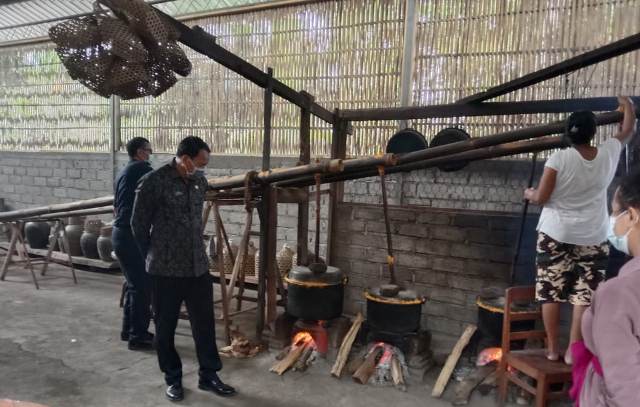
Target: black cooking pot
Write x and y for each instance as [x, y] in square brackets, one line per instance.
[448, 136]
[315, 292]
[393, 314]
[490, 321]
[406, 141]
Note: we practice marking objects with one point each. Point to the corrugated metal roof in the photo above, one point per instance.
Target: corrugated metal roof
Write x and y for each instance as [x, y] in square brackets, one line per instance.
[25, 19]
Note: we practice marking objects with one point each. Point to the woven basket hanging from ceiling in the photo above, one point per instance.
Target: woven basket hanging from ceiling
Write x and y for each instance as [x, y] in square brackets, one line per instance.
[132, 55]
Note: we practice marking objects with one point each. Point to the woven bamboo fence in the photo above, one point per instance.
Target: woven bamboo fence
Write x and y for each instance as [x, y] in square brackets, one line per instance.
[43, 109]
[347, 54]
[466, 46]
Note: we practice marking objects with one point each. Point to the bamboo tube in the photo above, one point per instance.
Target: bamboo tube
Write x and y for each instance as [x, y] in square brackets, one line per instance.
[501, 150]
[82, 212]
[41, 210]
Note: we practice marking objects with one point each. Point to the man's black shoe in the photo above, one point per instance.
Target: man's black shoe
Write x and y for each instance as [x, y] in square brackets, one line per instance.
[140, 345]
[124, 336]
[175, 392]
[217, 386]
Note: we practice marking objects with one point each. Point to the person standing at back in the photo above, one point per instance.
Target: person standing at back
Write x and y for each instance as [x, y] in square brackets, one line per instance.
[167, 224]
[572, 249]
[137, 315]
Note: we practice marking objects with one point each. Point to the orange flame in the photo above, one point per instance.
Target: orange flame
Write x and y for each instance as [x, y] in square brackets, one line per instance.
[489, 355]
[302, 338]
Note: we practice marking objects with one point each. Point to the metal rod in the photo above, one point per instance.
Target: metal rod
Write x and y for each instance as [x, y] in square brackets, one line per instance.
[603, 53]
[387, 225]
[523, 219]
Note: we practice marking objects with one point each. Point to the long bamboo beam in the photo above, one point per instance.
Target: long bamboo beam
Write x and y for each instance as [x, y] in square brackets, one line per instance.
[81, 212]
[603, 53]
[598, 104]
[306, 172]
[502, 150]
[64, 207]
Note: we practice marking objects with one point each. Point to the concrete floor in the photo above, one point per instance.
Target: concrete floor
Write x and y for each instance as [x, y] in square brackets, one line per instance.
[60, 346]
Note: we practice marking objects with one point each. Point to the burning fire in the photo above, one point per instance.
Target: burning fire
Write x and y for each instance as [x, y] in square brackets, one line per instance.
[489, 355]
[303, 338]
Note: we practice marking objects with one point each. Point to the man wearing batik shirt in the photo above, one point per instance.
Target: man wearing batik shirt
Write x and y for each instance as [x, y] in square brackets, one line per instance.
[167, 224]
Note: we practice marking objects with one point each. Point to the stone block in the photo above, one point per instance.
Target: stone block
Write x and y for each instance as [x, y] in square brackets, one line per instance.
[431, 246]
[447, 264]
[412, 230]
[433, 218]
[449, 233]
[74, 173]
[60, 192]
[32, 171]
[53, 182]
[45, 172]
[39, 181]
[468, 220]
[60, 173]
[88, 174]
[412, 260]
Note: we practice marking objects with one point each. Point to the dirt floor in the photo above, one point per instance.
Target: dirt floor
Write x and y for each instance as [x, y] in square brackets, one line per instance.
[60, 346]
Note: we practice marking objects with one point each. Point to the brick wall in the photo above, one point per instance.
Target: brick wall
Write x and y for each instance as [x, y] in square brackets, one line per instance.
[446, 255]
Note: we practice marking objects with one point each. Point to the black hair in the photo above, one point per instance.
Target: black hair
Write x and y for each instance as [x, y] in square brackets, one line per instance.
[135, 144]
[191, 146]
[581, 127]
[629, 190]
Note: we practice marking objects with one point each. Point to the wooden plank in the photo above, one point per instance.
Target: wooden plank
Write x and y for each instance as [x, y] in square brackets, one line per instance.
[452, 360]
[270, 255]
[463, 389]
[336, 190]
[600, 54]
[345, 347]
[595, 104]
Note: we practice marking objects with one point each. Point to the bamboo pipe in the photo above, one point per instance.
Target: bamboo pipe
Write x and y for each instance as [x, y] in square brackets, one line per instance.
[41, 210]
[545, 143]
[306, 172]
[82, 212]
[278, 174]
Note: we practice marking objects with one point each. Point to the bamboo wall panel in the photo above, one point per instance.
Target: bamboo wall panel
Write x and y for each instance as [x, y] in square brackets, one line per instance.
[345, 53]
[466, 46]
[43, 109]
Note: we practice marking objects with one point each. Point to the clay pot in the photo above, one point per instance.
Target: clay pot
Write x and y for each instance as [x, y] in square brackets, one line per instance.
[56, 246]
[104, 244]
[74, 231]
[37, 234]
[89, 239]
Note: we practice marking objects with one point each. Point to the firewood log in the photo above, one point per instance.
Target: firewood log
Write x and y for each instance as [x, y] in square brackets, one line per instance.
[301, 363]
[345, 348]
[367, 368]
[283, 365]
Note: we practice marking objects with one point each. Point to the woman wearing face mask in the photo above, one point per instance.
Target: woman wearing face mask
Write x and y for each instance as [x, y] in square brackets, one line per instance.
[572, 252]
[607, 363]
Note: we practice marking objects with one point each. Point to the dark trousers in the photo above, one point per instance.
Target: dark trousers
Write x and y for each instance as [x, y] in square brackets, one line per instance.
[137, 302]
[197, 293]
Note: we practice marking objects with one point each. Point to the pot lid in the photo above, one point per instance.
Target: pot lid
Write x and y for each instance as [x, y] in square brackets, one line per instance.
[303, 274]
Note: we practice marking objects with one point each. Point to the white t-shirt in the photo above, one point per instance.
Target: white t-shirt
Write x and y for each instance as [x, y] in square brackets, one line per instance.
[576, 212]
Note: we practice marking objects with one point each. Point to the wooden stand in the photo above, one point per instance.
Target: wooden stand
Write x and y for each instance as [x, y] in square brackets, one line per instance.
[18, 246]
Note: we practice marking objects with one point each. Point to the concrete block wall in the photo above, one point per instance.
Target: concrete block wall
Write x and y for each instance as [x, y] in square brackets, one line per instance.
[446, 255]
[32, 179]
[493, 185]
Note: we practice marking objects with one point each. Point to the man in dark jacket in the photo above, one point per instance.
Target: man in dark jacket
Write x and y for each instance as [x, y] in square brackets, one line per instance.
[135, 321]
[167, 224]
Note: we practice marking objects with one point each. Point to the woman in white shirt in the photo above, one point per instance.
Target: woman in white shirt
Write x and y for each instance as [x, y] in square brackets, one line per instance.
[572, 251]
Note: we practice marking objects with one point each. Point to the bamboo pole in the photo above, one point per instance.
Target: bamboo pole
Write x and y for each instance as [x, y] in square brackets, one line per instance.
[65, 207]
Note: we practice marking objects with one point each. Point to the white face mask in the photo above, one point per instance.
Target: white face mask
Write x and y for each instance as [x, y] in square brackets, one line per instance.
[620, 243]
